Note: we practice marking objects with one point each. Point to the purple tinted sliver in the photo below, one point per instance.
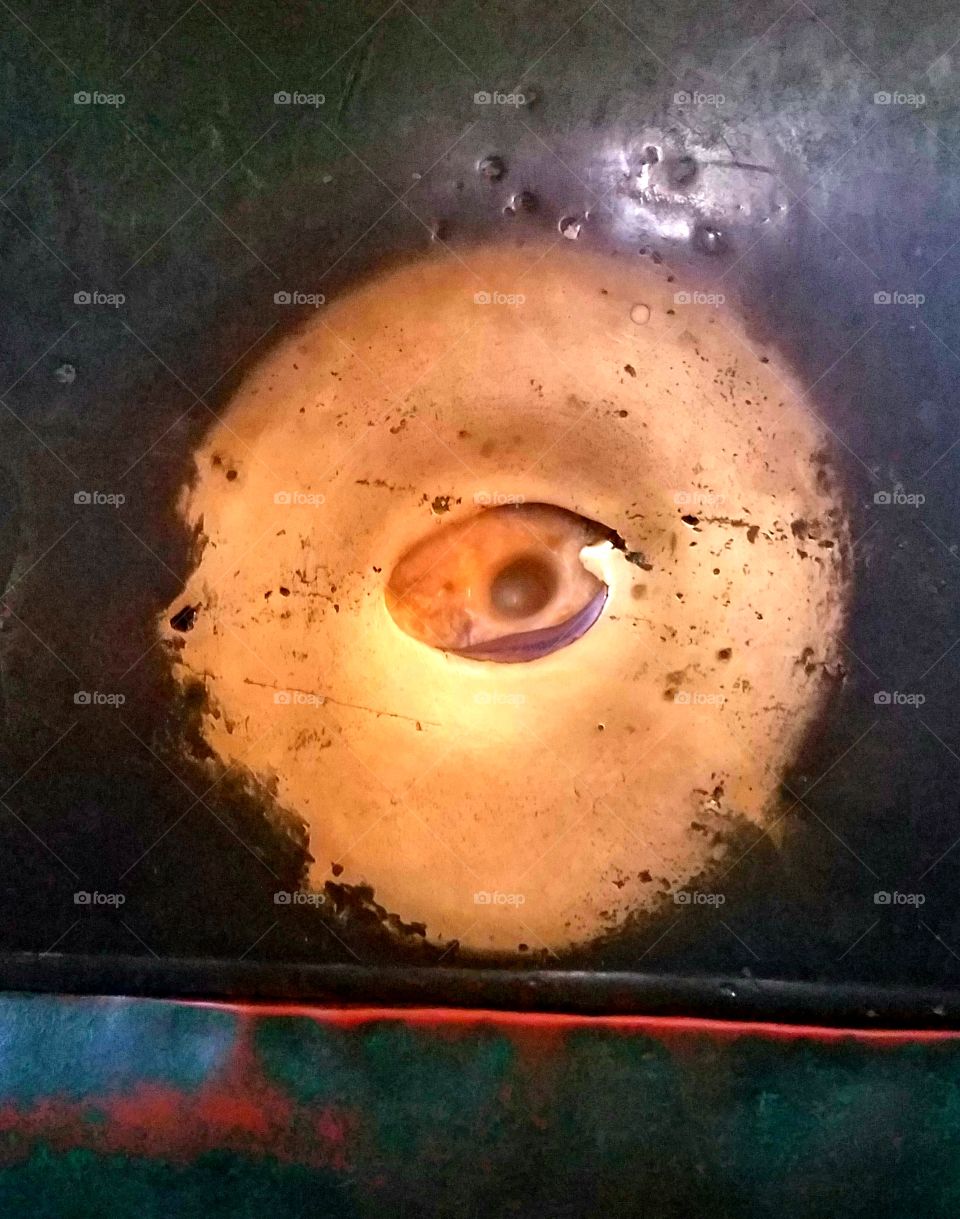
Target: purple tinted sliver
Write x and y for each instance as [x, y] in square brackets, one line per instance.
[532, 645]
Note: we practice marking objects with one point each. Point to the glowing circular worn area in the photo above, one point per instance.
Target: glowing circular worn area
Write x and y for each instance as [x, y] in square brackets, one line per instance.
[536, 803]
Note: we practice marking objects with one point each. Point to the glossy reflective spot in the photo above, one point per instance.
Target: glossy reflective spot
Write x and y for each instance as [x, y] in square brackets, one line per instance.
[523, 587]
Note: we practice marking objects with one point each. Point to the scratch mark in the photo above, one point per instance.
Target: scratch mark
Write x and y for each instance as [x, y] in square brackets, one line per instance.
[325, 698]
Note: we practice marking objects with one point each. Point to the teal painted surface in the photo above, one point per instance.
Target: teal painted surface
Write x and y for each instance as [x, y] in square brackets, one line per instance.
[80, 1185]
[143, 1108]
[58, 1046]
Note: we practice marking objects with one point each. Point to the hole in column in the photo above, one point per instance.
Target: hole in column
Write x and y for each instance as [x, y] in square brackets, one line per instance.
[512, 583]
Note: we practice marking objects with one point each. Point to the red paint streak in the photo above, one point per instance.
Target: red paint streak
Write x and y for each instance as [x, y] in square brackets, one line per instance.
[241, 1110]
[238, 1110]
[151, 1108]
[335, 1129]
[238, 1113]
[547, 1023]
[177, 1127]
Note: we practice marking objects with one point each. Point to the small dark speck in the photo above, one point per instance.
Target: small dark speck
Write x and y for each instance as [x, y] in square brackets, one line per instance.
[336, 868]
[185, 619]
[284, 592]
[622, 414]
[231, 475]
[724, 653]
[628, 368]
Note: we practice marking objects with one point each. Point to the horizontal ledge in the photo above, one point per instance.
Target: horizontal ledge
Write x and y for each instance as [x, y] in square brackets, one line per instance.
[575, 992]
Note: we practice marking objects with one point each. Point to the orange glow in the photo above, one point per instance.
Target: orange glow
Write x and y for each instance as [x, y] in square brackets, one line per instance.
[533, 804]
